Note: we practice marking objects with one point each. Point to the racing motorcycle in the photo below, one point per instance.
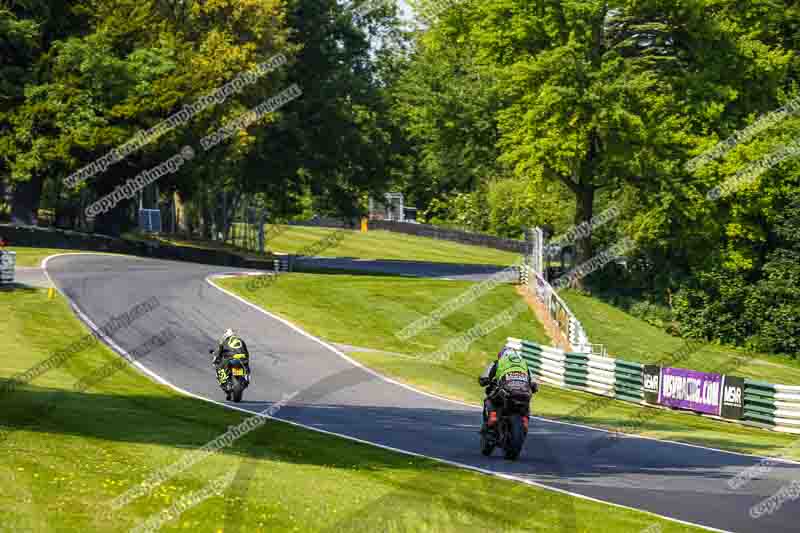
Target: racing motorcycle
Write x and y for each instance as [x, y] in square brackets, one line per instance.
[233, 378]
[511, 430]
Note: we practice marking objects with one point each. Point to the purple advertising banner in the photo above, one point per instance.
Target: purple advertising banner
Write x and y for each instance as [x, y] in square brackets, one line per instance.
[691, 390]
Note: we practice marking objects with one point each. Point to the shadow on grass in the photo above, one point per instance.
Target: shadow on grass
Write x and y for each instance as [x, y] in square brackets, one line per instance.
[178, 422]
[189, 423]
[556, 455]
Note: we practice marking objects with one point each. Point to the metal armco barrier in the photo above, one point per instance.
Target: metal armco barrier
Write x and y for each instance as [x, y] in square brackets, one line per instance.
[524, 277]
[741, 400]
[590, 373]
[8, 263]
[282, 264]
[775, 407]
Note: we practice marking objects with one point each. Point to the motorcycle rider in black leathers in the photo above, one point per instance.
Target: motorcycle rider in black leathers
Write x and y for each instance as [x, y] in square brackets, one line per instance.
[231, 346]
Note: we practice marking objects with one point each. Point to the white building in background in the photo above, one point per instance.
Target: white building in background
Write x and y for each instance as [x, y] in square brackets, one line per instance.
[391, 208]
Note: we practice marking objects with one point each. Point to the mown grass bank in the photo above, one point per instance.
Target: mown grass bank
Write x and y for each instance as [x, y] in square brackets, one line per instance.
[374, 244]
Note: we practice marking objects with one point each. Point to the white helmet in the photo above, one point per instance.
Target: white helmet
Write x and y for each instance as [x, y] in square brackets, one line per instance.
[227, 335]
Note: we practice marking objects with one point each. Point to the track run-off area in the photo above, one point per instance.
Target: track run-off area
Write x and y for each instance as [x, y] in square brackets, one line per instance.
[332, 393]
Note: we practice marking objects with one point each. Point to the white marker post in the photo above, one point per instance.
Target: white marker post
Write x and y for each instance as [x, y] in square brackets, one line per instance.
[8, 262]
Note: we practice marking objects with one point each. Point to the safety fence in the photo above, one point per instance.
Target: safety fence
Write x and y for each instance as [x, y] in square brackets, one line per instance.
[590, 373]
[775, 407]
[31, 236]
[558, 312]
[736, 399]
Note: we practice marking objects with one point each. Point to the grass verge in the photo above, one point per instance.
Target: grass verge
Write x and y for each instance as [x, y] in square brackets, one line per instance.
[369, 311]
[365, 311]
[64, 454]
[375, 244]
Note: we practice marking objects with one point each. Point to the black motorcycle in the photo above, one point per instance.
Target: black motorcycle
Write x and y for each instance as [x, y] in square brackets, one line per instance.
[511, 429]
[233, 378]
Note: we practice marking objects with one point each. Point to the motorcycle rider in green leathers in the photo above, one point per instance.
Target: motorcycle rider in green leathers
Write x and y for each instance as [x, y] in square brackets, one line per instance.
[510, 372]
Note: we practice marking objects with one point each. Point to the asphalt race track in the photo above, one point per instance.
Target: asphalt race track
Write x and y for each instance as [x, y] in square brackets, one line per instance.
[422, 269]
[678, 481]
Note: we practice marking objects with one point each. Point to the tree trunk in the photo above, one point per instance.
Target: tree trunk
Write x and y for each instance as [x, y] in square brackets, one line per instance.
[584, 194]
[5, 195]
[206, 216]
[116, 221]
[26, 200]
[231, 205]
[180, 213]
[583, 213]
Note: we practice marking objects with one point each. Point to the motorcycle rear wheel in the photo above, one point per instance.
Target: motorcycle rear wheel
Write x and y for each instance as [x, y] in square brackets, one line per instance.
[515, 437]
[238, 390]
[487, 444]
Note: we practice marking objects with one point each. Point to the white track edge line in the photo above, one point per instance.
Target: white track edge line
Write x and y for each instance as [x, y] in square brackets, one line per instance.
[500, 475]
[335, 350]
[431, 395]
[473, 406]
[508, 477]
